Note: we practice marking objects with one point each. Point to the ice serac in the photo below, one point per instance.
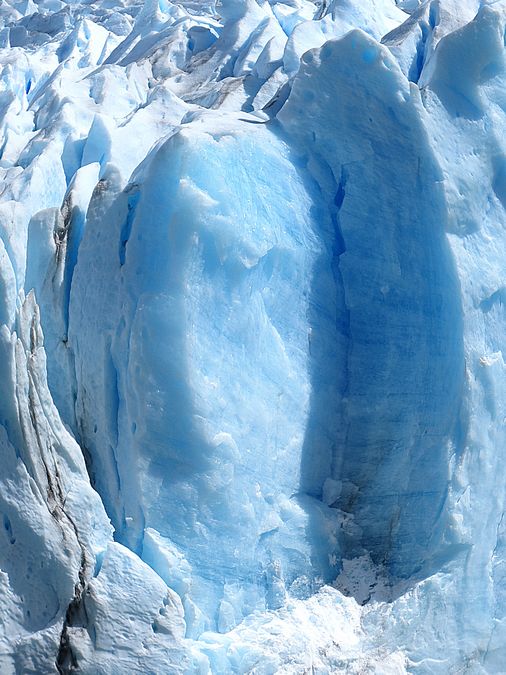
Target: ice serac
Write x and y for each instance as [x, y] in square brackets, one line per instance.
[56, 537]
[465, 98]
[53, 522]
[359, 126]
[207, 246]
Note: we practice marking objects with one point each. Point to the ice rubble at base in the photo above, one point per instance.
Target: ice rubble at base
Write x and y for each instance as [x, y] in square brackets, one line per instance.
[252, 311]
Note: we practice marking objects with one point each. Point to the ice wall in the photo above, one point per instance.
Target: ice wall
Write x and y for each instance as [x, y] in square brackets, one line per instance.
[193, 370]
[252, 334]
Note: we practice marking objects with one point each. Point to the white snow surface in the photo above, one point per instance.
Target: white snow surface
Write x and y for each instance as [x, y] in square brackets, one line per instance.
[252, 336]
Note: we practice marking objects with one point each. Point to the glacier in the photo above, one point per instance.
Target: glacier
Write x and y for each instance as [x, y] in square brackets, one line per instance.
[252, 336]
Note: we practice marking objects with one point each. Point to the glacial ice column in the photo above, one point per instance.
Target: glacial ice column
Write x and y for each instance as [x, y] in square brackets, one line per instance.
[213, 291]
[359, 126]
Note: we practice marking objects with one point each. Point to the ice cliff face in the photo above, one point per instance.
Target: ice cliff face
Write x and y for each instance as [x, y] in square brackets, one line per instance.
[252, 327]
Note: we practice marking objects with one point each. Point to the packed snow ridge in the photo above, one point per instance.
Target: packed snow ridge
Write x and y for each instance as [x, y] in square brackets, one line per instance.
[252, 337]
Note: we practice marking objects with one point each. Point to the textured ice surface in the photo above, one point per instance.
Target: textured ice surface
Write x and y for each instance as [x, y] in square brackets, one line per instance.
[252, 290]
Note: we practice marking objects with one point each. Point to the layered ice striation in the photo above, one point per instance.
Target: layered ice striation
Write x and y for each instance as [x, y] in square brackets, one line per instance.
[252, 294]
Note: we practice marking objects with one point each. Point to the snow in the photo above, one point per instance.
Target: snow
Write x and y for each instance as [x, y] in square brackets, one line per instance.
[252, 376]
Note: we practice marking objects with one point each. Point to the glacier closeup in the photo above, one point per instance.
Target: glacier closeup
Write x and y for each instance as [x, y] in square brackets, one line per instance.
[252, 336]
